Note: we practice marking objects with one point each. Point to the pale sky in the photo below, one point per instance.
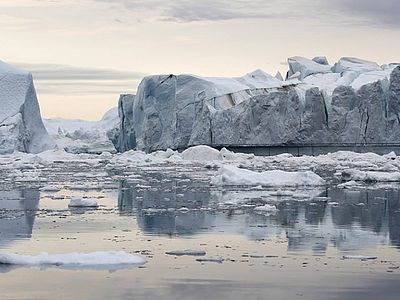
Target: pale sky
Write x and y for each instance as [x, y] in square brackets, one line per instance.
[84, 53]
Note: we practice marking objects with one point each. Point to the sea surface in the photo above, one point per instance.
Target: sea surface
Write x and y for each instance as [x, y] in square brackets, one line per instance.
[297, 252]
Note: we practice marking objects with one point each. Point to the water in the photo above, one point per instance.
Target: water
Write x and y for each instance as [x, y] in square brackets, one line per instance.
[296, 253]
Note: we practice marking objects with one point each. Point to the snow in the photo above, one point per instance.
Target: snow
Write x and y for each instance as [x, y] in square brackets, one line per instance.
[201, 153]
[72, 259]
[257, 79]
[231, 175]
[306, 67]
[356, 65]
[83, 202]
[370, 176]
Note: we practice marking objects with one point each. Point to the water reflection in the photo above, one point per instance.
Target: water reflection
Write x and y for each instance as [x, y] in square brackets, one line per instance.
[359, 220]
[17, 214]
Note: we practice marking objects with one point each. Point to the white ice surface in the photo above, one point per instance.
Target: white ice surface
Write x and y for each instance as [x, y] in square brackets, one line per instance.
[83, 202]
[371, 176]
[77, 259]
[231, 175]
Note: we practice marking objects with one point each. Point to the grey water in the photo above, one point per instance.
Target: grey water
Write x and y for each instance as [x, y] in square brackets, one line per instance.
[296, 253]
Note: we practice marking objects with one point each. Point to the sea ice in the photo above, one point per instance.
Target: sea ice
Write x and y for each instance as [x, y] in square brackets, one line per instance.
[231, 175]
[82, 202]
[187, 253]
[72, 259]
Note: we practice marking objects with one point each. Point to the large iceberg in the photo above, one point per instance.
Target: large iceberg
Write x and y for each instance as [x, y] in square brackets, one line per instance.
[21, 126]
[353, 101]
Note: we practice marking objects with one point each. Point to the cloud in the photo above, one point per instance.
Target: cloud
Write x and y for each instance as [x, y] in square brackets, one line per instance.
[65, 72]
[64, 79]
[339, 12]
[210, 10]
[373, 12]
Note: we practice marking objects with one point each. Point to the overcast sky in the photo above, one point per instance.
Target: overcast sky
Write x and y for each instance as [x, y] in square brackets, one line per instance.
[84, 53]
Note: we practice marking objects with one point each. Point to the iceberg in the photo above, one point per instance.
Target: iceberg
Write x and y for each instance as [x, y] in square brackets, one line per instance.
[354, 101]
[21, 126]
[81, 136]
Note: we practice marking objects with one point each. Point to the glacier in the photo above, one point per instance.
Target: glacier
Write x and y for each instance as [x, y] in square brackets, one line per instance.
[353, 101]
[21, 126]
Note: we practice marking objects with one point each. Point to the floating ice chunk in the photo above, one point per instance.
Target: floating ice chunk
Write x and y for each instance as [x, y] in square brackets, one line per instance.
[214, 259]
[266, 209]
[370, 176]
[83, 202]
[361, 257]
[231, 175]
[186, 253]
[72, 259]
[201, 153]
[348, 185]
[53, 189]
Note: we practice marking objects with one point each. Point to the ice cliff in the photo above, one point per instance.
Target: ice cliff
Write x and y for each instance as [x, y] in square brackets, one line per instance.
[21, 126]
[353, 101]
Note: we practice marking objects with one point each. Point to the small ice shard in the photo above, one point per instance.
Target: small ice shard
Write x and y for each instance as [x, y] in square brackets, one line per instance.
[186, 253]
[83, 202]
[214, 259]
[348, 185]
[279, 76]
[360, 257]
[93, 259]
[266, 209]
[53, 189]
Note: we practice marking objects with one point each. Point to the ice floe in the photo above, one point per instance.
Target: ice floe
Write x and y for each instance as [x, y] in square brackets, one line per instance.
[93, 259]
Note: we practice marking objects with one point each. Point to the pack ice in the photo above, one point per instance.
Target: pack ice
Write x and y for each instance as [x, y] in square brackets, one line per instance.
[21, 126]
[352, 101]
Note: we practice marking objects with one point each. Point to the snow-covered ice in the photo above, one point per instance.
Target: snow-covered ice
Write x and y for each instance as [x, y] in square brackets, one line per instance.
[266, 209]
[231, 175]
[113, 258]
[82, 202]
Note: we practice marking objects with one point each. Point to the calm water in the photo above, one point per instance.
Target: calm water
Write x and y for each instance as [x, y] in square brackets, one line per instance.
[296, 253]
